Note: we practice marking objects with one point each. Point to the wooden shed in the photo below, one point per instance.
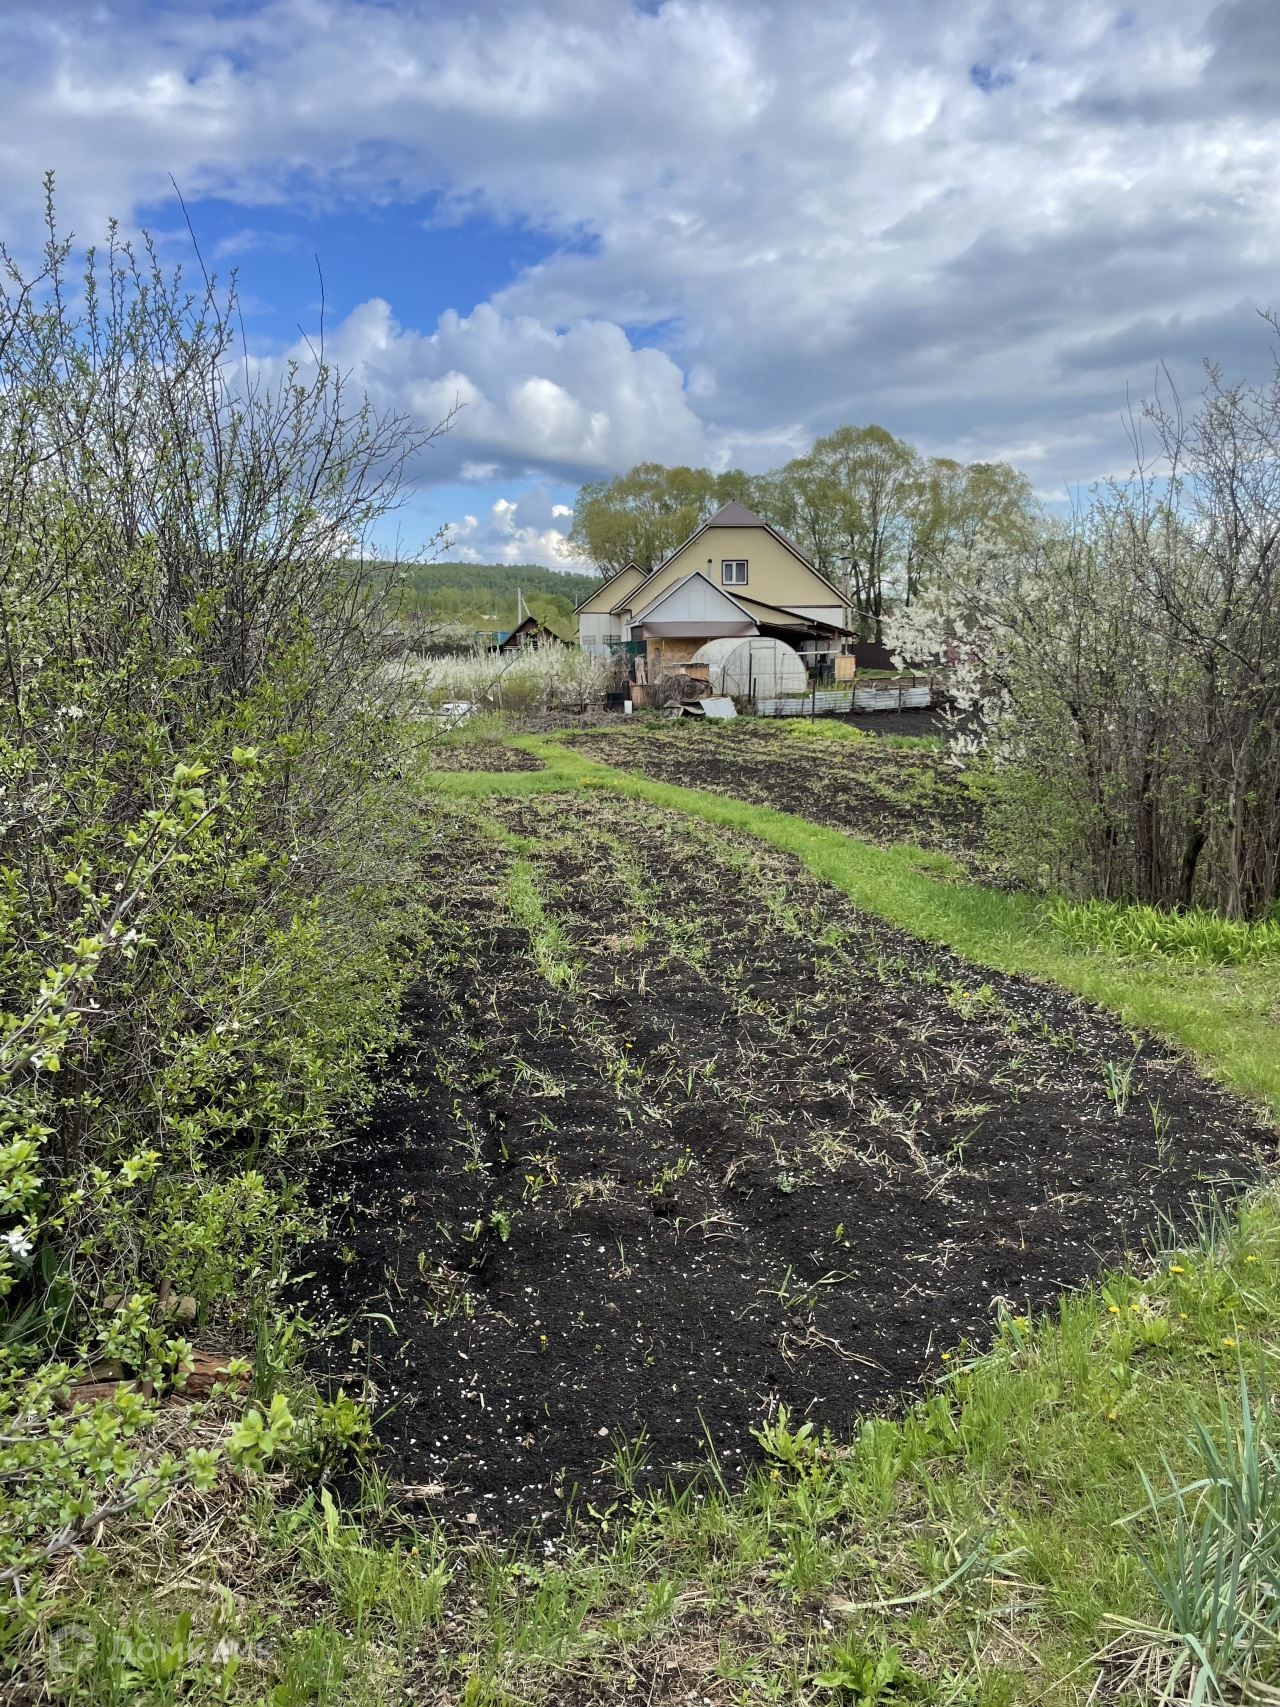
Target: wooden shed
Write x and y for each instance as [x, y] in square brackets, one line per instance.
[531, 632]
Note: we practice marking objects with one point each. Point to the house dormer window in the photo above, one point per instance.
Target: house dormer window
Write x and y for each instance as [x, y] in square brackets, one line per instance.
[733, 572]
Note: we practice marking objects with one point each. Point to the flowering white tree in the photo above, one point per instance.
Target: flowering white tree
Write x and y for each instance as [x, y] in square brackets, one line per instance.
[1123, 670]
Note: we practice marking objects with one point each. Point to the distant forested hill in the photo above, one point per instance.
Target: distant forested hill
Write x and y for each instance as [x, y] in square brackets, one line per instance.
[483, 595]
[498, 579]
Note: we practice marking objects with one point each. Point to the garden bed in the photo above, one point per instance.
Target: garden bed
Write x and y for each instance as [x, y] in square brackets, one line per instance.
[462, 755]
[877, 791]
[682, 1137]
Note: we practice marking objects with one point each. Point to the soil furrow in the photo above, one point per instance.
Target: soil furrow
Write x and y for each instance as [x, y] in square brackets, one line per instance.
[687, 1138]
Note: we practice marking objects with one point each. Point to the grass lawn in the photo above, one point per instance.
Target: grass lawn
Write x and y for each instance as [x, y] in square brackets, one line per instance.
[989, 1544]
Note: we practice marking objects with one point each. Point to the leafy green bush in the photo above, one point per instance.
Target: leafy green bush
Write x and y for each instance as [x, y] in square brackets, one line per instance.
[1196, 937]
[204, 919]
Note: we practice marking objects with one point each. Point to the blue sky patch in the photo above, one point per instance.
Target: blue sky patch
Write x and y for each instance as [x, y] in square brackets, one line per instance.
[988, 79]
[405, 254]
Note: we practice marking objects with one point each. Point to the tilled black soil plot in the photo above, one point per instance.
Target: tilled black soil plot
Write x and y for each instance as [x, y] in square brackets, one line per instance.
[874, 790]
[683, 1137]
[482, 756]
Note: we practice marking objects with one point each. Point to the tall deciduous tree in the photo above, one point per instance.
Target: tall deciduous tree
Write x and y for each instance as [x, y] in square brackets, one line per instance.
[642, 516]
[954, 504]
[874, 515]
[868, 483]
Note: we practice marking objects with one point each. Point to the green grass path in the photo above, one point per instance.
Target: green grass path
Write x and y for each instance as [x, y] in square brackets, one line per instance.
[1227, 1017]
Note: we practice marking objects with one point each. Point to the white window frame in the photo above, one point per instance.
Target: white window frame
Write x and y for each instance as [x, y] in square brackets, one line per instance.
[729, 567]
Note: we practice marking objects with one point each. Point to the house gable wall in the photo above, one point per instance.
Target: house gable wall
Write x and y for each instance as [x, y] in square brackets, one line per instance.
[775, 576]
[606, 597]
[697, 599]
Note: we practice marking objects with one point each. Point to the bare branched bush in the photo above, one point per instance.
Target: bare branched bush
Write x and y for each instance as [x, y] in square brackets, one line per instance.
[1124, 670]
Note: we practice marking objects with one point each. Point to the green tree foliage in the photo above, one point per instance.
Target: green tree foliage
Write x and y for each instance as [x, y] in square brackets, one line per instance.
[641, 516]
[483, 595]
[872, 513]
[876, 516]
[955, 505]
[202, 939]
[856, 500]
[555, 612]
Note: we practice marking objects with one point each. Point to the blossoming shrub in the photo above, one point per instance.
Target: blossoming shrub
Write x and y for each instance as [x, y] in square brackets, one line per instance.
[538, 679]
[1121, 670]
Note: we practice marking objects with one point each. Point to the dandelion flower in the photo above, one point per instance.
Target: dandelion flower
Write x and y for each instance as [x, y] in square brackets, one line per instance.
[946, 1357]
[1251, 1259]
[1176, 1268]
[1114, 1309]
[1227, 1340]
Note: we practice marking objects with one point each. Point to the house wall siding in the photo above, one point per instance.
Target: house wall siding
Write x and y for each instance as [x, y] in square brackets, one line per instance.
[604, 598]
[774, 576]
[597, 628]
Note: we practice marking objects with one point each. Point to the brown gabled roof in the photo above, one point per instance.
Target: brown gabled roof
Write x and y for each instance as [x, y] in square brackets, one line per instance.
[531, 625]
[781, 616]
[733, 515]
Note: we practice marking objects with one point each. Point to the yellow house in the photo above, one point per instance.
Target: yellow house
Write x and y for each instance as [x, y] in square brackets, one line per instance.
[736, 575]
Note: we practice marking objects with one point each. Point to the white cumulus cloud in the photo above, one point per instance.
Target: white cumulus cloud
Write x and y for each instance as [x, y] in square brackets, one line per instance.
[531, 528]
[978, 221]
[575, 403]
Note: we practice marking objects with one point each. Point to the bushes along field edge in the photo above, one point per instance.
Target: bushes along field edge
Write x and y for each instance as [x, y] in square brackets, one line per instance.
[205, 923]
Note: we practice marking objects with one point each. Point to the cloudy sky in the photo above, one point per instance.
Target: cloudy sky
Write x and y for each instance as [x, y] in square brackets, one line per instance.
[688, 231]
